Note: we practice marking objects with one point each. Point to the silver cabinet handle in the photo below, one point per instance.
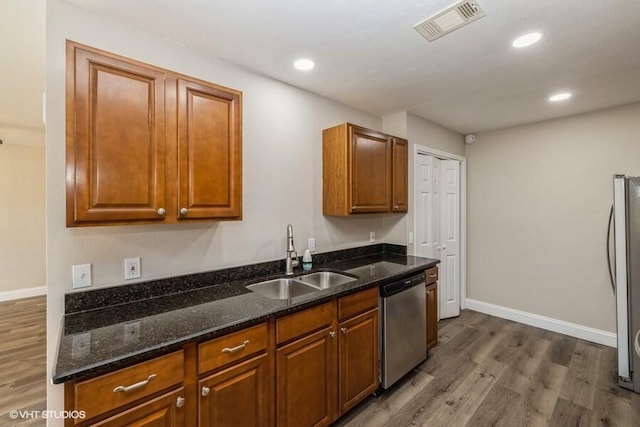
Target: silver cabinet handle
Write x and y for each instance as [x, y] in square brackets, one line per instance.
[343, 330]
[162, 211]
[183, 211]
[637, 343]
[332, 334]
[433, 276]
[135, 386]
[205, 391]
[236, 348]
[395, 207]
[180, 402]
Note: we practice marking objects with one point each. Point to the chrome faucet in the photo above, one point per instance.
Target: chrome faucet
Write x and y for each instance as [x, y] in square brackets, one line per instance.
[292, 255]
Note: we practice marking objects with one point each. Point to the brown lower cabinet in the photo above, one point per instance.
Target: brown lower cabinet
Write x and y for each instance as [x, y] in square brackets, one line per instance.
[166, 410]
[431, 290]
[304, 369]
[236, 396]
[306, 383]
[327, 360]
[358, 360]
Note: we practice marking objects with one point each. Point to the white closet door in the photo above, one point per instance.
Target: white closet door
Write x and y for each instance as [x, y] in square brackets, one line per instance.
[449, 268]
[428, 206]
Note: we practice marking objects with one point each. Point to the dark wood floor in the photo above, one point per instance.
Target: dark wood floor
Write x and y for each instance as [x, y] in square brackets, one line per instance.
[485, 371]
[488, 371]
[23, 383]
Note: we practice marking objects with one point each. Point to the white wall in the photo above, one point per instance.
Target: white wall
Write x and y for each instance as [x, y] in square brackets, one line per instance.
[282, 174]
[22, 233]
[537, 208]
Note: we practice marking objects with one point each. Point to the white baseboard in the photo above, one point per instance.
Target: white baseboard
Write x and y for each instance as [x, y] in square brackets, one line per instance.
[572, 329]
[23, 293]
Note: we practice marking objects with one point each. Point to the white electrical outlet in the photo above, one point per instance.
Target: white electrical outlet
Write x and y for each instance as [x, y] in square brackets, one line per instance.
[131, 268]
[81, 275]
[372, 237]
[312, 244]
[411, 237]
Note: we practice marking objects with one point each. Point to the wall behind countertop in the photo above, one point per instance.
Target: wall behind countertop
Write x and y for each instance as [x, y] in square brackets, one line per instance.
[282, 164]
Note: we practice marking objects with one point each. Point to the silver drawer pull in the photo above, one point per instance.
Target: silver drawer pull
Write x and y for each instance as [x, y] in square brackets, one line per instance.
[135, 386]
[433, 276]
[236, 348]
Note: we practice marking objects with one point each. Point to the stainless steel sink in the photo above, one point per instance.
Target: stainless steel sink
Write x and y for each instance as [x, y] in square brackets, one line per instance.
[281, 288]
[325, 279]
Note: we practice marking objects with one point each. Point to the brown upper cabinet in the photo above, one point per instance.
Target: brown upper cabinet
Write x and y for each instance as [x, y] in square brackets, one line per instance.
[399, 175]
[364, 171]
[147, 145]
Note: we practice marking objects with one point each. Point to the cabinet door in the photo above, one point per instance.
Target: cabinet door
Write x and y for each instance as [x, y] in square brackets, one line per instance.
[166, 410]
[400, 175]
[237, 396]
[432, 314]
[209, 151]
[358, 359]
[370, 171]
[115, 139]
[306, 381]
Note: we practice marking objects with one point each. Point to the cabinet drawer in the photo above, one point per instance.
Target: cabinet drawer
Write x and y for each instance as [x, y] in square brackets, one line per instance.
[357, 303]
[229, 348]
[431, 275]
[102, 394]
[166, 410]
[303, 322]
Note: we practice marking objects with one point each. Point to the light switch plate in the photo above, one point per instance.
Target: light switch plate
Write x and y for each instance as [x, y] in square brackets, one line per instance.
[312, 244]
[372, 237]
[81, 275]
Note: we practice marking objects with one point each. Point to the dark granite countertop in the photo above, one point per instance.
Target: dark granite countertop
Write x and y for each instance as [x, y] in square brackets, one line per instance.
[101, 339]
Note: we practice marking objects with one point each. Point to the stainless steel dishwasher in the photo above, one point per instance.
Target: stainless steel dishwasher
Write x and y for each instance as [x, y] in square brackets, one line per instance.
[403, 329]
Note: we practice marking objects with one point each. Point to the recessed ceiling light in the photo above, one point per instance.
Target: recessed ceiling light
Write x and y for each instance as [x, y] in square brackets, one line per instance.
[304, 64]
[560, 96]
[526, 40]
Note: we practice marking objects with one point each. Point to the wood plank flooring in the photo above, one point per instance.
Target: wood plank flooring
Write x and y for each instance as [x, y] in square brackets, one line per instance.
[487, 371]
[23, 359]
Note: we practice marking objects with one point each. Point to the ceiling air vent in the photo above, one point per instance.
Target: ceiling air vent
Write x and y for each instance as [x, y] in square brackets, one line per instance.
[450, 19]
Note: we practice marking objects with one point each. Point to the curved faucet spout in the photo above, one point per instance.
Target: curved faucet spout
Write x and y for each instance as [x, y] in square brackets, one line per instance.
[292, 255]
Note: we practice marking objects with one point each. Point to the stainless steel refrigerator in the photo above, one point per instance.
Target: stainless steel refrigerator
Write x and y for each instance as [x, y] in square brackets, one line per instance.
[626, 215]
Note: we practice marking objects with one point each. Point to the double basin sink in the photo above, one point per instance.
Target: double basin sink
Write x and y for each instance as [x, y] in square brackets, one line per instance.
[287, 288]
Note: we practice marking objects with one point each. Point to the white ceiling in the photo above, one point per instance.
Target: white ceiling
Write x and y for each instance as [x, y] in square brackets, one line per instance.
[368, 56]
